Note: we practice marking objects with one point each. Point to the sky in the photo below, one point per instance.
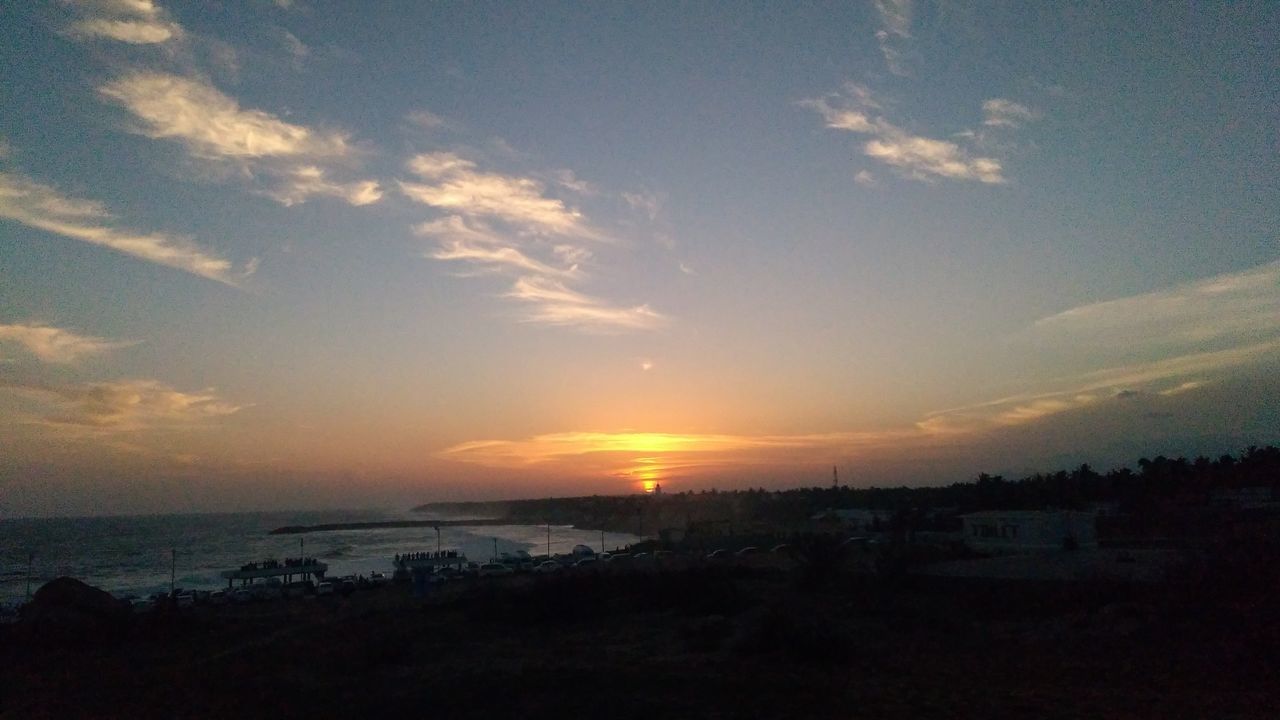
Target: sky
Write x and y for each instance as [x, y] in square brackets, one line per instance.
[294, 254]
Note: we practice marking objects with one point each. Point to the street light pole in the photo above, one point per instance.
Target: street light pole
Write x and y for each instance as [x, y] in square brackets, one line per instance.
[437, 539]
[173, 568]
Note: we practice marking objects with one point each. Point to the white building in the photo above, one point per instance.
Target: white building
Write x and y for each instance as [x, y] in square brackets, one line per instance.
[1029, 531]
[856, 519]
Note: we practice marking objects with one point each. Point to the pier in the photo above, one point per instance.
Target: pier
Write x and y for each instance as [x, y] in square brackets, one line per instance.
[287, 570]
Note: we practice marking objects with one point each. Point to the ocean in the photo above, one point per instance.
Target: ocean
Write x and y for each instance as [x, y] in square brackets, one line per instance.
[134, 555]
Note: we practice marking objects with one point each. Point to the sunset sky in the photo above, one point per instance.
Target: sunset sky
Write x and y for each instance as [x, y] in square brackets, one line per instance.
[301, 254]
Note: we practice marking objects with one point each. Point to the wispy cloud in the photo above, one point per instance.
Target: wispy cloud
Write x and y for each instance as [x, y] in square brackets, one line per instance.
[555, 304]
[854, 110]
[1195, 334]
[44, 208]
[427, 120]
[648, 203]
[1240, 307]
[56, 345]
[124, 406]
[1166, 377]
[999, 112]
[622, 449]
[213, 127]
[454, 184]
[895, 30]
[137, 22]
[476, 243]
[508, 224]
[300, 183]
[298, 50]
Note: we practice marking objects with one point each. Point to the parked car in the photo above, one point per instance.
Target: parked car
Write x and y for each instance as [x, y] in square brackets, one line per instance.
[495, 570]
[324, 588]
[185, 599]
[547, 566]
[779, 549]
[302, 588]
[585, 562]
[241, 596]
[218, 597]
[748, 550]
[720, 554]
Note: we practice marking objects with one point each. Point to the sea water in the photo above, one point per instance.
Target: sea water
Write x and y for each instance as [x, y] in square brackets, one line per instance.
[136, 555]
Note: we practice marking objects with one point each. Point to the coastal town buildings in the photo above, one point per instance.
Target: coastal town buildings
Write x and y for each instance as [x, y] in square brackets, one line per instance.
[1029, 531]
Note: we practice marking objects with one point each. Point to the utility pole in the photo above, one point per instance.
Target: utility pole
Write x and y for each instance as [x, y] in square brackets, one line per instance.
[302, 549]
[495, 549]
[173, 568]
[835, 478]
[601, 539]
[31, 557]
[548, 539]
[437, 527]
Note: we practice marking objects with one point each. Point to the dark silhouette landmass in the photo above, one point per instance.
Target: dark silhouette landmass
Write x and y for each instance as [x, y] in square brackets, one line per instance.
[1147, 501]
[820, 628]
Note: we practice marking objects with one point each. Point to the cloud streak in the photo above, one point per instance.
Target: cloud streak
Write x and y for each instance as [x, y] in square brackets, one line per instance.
[914, 156]
[454, 184]
[44, 208]
[125, 406]
[1239, 307]
[56, 345]
[619, 452]
[895, 31]
[1196, 334]
[214, 127]
[999, 112]
[506, 224]
[136, 22]
[555, 304]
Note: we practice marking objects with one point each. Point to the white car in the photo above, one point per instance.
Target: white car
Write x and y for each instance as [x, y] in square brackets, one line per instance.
[547, 566]
[324, 588]
[495, 570]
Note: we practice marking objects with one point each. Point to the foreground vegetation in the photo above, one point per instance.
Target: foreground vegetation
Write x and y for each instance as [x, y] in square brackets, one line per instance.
[801, 639]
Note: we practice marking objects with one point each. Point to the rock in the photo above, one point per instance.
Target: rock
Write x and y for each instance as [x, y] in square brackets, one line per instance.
[67, 609]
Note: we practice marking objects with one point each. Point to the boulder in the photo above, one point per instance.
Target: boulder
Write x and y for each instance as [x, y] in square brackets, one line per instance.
[68, 609]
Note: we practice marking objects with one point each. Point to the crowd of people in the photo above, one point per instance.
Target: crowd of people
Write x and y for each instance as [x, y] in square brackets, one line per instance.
[274, 564]
[437, 555]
